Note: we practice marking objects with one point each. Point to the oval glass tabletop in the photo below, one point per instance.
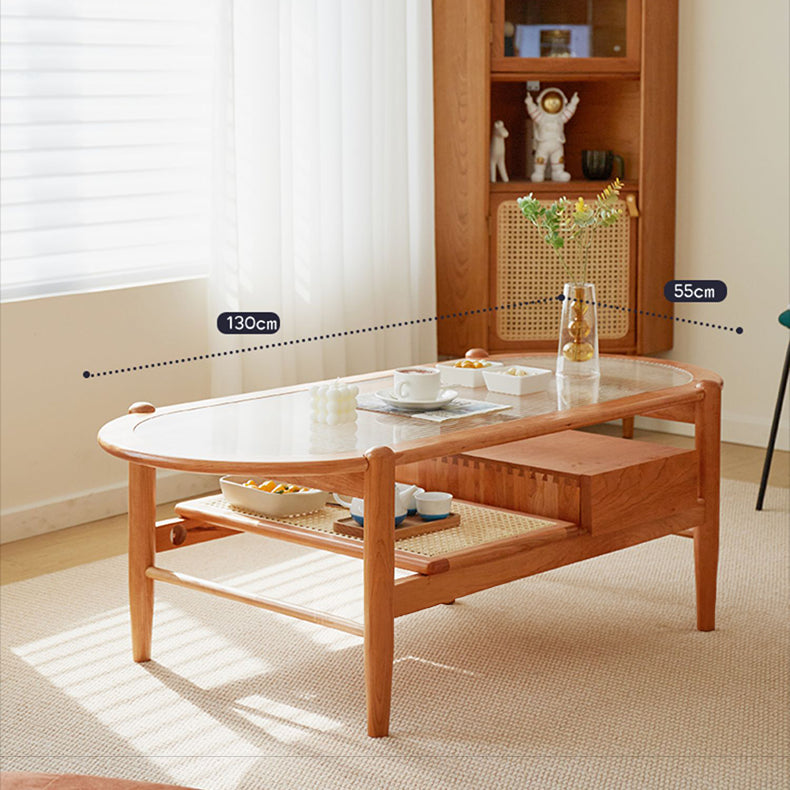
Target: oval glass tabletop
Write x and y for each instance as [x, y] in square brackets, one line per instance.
[265, 427]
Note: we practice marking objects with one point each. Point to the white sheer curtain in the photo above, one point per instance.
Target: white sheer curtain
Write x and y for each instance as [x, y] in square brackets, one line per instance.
[324, 187]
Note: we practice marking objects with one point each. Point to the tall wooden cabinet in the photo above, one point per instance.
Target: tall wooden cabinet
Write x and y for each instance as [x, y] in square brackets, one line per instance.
[496, 278]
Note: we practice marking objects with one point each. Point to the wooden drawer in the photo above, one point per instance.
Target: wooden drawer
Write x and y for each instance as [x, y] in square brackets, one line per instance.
[602, 483]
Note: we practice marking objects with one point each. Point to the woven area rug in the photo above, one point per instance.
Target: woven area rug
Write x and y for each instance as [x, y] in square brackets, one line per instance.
[591, 676]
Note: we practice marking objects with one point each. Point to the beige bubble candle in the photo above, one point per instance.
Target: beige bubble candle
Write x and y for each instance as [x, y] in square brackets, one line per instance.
[333, 404]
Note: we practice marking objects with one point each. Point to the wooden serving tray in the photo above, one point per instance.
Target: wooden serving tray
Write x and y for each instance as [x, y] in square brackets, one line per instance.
[410, 526]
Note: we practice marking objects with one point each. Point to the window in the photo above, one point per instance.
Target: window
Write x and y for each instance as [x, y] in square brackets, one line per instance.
[105, 142]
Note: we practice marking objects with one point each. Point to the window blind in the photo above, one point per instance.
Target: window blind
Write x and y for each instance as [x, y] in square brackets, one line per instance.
[105, 142]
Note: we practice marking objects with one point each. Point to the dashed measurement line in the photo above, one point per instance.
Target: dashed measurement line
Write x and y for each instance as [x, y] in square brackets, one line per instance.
[737, 329]
[87, 374]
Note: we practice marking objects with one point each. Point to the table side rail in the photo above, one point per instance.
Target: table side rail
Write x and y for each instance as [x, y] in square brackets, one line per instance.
[173, 533]
[414, 593]
[489, 533]
[262, 602]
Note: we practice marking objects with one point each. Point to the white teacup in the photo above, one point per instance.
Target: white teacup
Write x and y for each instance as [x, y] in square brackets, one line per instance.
[433, 505]
[356, 506]
[357, 510]
[417, 384]
[408, 501]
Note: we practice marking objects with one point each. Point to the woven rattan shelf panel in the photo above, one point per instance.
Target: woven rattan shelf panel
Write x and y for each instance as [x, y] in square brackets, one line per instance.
[480, 527]
[527, 270]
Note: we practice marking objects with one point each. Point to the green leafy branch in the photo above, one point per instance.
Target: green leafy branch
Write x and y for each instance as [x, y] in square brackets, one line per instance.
[574, 222]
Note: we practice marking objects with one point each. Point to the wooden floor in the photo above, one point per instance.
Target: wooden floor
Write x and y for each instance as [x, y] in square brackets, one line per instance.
[24, 559]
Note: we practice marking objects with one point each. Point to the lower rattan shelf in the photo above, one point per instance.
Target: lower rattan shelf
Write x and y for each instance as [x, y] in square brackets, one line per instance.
[483, 531]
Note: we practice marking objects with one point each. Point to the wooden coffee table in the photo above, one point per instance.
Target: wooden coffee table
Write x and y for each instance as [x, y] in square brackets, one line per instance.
[579, 503]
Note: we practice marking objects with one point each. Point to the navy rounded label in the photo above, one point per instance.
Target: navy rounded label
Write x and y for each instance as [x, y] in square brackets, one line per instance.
[695, 291]
[248, 323]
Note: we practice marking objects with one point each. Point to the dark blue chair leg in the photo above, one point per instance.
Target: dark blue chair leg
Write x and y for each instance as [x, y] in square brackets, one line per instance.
[774, 430]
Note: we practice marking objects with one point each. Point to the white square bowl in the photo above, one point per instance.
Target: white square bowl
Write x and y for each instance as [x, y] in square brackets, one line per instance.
[465, 377]
[268, 504]
[499, 380]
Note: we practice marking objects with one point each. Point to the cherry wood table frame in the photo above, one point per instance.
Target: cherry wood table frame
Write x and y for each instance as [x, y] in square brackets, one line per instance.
[372, 473]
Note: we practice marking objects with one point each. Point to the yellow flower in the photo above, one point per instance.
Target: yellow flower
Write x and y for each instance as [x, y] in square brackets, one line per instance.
[580, 206]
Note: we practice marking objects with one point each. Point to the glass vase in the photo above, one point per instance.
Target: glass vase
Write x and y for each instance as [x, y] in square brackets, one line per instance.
[577, 356]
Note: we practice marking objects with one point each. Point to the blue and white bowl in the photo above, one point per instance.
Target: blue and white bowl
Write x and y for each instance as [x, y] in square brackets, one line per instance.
[360, 519]
[356, 507]
[433, 505]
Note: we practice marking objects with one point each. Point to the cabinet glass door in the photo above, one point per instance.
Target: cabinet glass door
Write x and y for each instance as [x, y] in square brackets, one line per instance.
[529, 34]
[565, 28]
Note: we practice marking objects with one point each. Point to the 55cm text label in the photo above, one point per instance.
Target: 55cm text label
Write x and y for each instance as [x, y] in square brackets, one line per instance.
[695, 291]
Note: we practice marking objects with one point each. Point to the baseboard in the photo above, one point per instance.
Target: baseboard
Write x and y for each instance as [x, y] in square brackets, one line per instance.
[734, 428]
[52, 515]
[663, 426]
[748, 430]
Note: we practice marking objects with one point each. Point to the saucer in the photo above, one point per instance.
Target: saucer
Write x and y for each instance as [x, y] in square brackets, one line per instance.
[445, 397]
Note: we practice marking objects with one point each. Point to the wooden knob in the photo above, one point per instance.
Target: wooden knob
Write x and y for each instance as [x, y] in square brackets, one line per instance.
[178, 535]
[476, 353]
[141, 407]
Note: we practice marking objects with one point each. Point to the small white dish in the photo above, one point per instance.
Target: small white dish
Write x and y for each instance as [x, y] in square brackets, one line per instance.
[525, 380]
[465, 377]
[266, 503]
[445, 397]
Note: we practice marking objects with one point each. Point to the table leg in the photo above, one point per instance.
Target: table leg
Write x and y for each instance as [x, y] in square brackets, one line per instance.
[706, 536]
[142, 549]
[379, 580]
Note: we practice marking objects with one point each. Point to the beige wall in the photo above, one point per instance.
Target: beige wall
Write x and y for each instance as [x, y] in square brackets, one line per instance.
[732, 226]
[50, 414]
[732, 204]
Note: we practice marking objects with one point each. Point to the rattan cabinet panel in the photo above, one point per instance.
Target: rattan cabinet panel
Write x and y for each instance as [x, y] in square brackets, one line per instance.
[528, 277]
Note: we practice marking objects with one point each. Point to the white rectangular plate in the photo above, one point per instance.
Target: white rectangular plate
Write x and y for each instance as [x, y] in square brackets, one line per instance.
[266, 503]
[499, 380]
[465, 377]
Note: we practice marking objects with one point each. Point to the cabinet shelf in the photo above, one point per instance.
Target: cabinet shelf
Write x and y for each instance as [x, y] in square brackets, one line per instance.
[607, 118]
[556, 70]
[574, 187]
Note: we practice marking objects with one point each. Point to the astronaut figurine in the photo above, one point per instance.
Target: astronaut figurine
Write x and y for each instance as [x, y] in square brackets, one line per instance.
[550, 114]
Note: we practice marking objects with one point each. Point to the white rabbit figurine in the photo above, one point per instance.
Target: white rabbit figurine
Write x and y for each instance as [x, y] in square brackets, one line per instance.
[498, 136]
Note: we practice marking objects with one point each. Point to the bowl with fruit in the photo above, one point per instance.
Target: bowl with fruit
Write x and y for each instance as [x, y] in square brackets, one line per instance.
[271, 497]
[466, 372]
[516, 379]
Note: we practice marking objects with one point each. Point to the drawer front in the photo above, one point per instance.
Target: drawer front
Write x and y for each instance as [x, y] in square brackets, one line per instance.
[637, 494]
[606, 500]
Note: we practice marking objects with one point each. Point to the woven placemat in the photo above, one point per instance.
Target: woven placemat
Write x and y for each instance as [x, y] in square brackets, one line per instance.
[478, 525]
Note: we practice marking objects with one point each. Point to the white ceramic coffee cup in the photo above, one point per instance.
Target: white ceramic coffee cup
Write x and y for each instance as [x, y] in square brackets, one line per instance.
[417, 384]
[433, 505]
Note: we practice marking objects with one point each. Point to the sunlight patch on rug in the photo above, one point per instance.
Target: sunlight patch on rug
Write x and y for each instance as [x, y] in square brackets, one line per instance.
[316, 580]
[283, 722]
[90, 663]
